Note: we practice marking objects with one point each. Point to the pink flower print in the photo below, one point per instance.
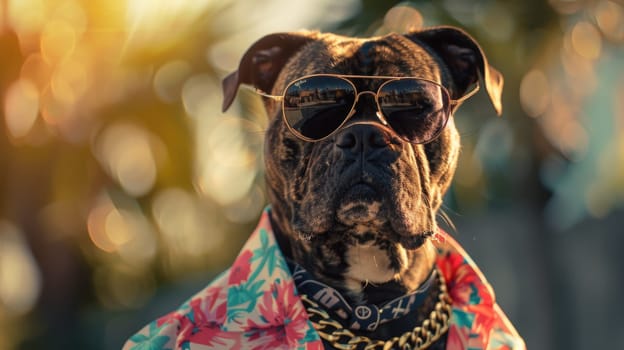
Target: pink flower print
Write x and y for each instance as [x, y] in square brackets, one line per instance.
[464, 283]
[241, 268]
[285, 320]
[209, 335]
[269, 339]
[202, 325]
[212, 306]
[457, 338]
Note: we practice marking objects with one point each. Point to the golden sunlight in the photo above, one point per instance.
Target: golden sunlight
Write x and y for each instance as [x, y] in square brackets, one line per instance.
[26, 16]
[164, 22]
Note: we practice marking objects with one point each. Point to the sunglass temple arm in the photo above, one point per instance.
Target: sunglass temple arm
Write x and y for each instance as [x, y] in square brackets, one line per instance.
[264, 94]
[460, 100]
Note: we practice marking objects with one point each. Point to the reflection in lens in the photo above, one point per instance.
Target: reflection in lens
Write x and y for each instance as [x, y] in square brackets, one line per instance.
[316, 106]
[415, 109]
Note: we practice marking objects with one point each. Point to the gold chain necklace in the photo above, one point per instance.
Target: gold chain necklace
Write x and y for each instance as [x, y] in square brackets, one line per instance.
[418, 338]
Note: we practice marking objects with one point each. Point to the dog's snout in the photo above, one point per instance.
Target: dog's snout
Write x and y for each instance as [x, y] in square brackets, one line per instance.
[362, 137]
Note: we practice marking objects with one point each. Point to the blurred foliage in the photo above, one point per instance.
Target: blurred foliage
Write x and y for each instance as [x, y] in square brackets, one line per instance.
[119, 174]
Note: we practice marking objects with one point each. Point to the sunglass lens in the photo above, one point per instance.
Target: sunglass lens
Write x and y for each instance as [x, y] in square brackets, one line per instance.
[316, 106]
[417, 110]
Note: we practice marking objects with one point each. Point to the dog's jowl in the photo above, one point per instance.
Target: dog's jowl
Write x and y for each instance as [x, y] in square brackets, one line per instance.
[360, 150]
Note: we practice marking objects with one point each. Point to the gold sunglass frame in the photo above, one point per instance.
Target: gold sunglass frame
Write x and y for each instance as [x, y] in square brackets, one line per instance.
[452, 103]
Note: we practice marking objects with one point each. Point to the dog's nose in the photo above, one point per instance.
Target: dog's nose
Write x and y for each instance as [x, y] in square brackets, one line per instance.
[362, 137]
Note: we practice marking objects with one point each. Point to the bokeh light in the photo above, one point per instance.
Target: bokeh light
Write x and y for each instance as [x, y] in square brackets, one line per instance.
[169, 79]
[196, 96]
[610, 19]
[535, 93]
[586, 40]
[20, 279]
[37, 70]
[401, 19]
[229, 156]
[122, 230]
[69, 81]
[58, 41]
[21, 107]
[126, 152]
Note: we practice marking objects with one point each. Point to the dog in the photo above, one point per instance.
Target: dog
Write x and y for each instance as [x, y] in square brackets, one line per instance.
[360, 149]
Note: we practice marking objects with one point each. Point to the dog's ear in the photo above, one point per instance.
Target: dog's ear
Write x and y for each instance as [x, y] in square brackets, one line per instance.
[465, 59]
[262, 62]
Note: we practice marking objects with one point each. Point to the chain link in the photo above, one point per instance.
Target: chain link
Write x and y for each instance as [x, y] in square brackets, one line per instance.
[419, 338]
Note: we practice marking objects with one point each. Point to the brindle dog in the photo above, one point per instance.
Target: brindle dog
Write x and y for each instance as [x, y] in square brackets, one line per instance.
[356, 209]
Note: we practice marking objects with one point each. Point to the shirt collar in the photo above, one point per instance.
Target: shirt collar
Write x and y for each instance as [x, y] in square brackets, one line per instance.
[474, 316]
[256, 303]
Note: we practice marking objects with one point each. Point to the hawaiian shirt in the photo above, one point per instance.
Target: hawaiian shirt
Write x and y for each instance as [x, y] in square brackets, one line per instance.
[255, 305]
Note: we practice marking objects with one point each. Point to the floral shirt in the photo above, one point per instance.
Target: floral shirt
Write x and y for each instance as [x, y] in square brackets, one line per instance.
[255, 305]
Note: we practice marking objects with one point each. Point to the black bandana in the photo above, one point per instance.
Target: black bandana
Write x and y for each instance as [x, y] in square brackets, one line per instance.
[361, 316]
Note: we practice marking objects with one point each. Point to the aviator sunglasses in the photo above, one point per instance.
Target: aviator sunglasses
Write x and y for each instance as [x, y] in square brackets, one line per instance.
[315, 107]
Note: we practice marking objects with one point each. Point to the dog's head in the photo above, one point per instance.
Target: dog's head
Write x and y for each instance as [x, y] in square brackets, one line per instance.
[358, 205]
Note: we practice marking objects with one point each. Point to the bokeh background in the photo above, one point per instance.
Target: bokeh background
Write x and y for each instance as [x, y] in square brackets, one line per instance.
[124, 189]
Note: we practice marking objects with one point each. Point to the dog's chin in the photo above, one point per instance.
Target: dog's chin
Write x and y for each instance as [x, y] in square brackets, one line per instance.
[360, 213]
[366, 226]
[364, 210]
[360, 205]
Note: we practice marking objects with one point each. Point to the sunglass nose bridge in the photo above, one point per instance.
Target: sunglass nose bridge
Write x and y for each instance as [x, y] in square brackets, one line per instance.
[370, 107]
[372, 94]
